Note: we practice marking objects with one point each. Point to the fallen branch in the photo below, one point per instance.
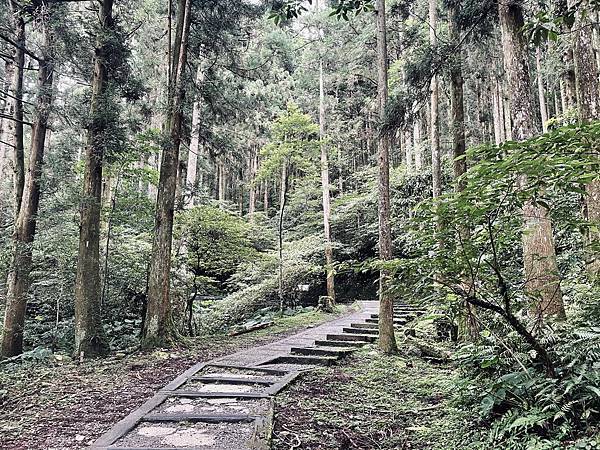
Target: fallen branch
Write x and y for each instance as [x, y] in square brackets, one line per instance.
[259, 326]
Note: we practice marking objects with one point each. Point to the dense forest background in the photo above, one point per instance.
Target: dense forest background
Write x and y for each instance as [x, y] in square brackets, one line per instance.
[170, 169]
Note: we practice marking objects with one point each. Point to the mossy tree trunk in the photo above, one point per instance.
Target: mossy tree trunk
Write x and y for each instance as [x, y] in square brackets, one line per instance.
[90, 339]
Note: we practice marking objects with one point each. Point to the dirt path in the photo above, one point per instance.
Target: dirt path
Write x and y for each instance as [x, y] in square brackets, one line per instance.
[59, 405]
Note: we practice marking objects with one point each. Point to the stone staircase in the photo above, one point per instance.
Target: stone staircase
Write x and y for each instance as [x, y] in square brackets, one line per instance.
[227, 404]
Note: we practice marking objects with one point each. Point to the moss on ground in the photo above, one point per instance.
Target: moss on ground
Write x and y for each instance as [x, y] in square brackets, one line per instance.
[372, 402]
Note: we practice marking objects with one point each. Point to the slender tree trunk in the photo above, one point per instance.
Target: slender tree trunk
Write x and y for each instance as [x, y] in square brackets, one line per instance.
[418, 144]
[89, 334]
[192, 165]
[457, 102]
[569, 89]
[222, 184]
[25, 226]
[434, 136]
[282, 203]
[252, 193]
[541, 90]
[497, 114]
[557, 109]
[541, 270]
[408, 149]
[6, 145]
[16, 102]
[157, 324]
[588, 89]
[326, 194]
[506, 111]
[457, 106]
[387, 339]
[266, 198]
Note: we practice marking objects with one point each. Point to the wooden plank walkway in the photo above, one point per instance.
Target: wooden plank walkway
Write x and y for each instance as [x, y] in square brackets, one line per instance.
[227, 403]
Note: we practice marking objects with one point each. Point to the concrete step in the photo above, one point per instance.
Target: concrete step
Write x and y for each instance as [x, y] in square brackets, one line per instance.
[308, 360]
[204, 418]
[360, 331]
[351, 337]
[406, 317]
[336, 352]
[368, 326]
[233, 380]
[396, 321]
[331, 343]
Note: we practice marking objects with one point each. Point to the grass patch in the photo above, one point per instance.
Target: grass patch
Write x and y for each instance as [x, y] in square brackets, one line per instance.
[371, 402]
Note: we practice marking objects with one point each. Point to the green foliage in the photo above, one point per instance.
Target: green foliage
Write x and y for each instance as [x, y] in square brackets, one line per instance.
[215, 241]
[255, 284]
[524, 406]
[293, 144]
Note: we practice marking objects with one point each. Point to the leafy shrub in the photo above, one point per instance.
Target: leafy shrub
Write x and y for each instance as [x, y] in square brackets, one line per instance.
[257, 284]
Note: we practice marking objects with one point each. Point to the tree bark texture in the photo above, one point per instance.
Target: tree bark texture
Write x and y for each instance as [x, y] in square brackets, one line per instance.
[326, 191]
[387, 339]
[193, 154]
[434, 135]
[588, 90]
[541, 270]
[25, 226]
[157, 327]
[90, 339]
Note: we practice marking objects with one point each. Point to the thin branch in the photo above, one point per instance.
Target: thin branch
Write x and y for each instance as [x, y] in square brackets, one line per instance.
[20, 47]
[6, 116]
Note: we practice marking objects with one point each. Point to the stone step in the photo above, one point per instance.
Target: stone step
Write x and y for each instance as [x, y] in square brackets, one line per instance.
[396, 321]
[368, 326]
[322, 351]
[351, 337]
[397, 316]
[331, 343]
[198, 394]
[233, 380]
[308, 360]
[204, 418]
[352, 330]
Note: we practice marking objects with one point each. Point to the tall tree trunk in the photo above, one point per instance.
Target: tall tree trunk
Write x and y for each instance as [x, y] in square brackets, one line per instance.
[497, 114]
[541, 270]
[16, 102]
[588, 89]
[25, 226]
[192, 164]
[158, 327]
[506, 112]
[408, 149]
[418, 144]
[326, 193]
[541, 90]
[457, 106]
[387, 339]
[569, 88]
[222, 182]
[252, 184]
[434, 136]
[457, 101]
[266, 198]
[282, 204]
[89, 334]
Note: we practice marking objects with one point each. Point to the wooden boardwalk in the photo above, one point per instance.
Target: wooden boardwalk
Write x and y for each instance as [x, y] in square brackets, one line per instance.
[227, 403]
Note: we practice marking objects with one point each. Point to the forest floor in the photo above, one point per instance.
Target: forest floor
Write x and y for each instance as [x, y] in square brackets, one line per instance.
[357, 405]
[59, 404]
